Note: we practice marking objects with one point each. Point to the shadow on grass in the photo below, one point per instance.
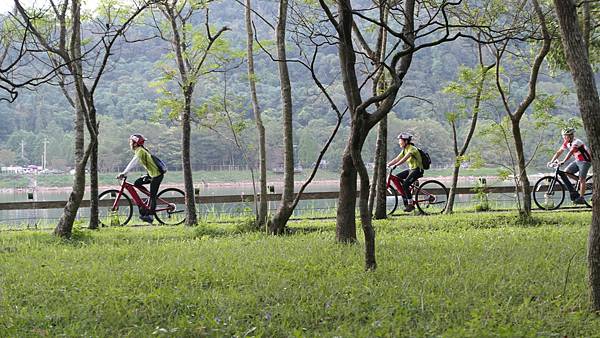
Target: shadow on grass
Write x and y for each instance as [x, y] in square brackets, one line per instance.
[307, 229]
[467, 221]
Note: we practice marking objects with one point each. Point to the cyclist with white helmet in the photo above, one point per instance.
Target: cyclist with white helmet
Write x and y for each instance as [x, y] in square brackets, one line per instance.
[582, 163]
[411, 155]
[154, 174]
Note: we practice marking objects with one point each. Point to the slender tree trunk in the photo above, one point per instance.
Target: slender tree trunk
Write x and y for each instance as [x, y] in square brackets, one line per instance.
[345, 231]
[520, 167]
[190, 203]
[589, 105]
[64, 227]
[381, 170]
[459, 153]
[363, 205]
[587, 24]
[378, 191]
[65, 223]
[345, 219]
[525, 186]
[362, 121]
[453, 186]
[279, 220]
[69, 51]
[187, 83]
[94, 188]
[94, 173]
[262, 152]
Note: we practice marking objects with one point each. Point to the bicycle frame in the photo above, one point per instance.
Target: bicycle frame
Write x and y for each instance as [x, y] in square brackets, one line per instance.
[397, 184]
[557, 176]
[137, 200]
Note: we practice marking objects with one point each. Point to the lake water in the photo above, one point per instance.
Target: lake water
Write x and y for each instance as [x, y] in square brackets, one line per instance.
[48, 217]
[41, 218]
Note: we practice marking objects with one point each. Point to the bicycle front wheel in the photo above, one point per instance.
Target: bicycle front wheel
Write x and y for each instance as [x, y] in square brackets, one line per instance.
[431, 197]
[589, 189]
[118, 216]
[170, 206]
[548, 193]
[391, 200]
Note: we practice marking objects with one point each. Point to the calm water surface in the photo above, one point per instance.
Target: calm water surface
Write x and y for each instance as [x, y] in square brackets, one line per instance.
[48, 217]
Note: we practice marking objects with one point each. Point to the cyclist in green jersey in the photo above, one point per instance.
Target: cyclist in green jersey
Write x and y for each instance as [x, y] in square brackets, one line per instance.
[153, 176]
[410, 154]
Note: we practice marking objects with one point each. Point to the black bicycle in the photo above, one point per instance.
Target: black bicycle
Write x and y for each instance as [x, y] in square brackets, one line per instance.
[549, 191]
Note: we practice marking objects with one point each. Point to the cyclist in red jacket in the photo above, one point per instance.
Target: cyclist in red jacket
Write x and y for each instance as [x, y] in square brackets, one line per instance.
[582, 163]
[154, 175]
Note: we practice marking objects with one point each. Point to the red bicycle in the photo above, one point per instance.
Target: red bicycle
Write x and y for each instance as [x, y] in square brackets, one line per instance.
[116, 207]
[430, 197]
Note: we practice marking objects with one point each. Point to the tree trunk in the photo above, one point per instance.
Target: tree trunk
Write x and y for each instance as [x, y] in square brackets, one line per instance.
[589, 105]
[279, 220]
[362, 121]
[94, 174]
[345, 230]
[190, 204]
[587, 24]
[459, 153]
[453, 186]
[363, 204]
[262, 152]
[381, 170]
[524, 185]
[64, 227]
[378, 191]
[345, 220]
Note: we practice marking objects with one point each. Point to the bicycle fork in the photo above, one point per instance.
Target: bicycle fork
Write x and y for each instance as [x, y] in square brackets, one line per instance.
[548, 201]
[114, 211]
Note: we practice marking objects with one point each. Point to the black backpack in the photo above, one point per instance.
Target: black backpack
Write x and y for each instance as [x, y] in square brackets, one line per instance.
[162, 167]
[425, 159]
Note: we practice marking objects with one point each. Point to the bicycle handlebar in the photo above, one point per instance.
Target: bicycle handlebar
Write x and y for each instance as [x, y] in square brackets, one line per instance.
[554, 164]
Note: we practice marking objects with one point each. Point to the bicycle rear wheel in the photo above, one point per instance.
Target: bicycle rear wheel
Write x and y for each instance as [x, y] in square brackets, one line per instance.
[391, 200]
[431, 197]
[170, 206]
[589, 188]
[118, 217]
[545, 197]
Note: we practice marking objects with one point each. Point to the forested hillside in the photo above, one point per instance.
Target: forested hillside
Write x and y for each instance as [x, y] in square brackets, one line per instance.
[127, 101]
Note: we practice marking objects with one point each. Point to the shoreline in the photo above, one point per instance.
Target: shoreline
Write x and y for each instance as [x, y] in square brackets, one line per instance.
[203, 185]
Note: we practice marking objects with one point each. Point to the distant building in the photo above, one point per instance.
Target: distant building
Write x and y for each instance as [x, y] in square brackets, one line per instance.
[13, 170]
[30, 169]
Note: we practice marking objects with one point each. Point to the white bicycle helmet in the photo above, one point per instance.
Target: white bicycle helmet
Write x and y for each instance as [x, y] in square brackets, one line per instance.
[405, 136]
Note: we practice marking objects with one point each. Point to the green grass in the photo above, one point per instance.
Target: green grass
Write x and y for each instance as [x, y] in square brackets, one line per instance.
[463, 275]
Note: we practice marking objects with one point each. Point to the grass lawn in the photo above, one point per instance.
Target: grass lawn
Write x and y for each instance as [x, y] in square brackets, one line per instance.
[463, 275]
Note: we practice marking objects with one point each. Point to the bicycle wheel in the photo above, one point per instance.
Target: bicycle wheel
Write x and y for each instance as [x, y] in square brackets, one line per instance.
[545, 197]
[589, 188]
[431, 197]
[170, 206]
[109, 217]
[391, 200]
